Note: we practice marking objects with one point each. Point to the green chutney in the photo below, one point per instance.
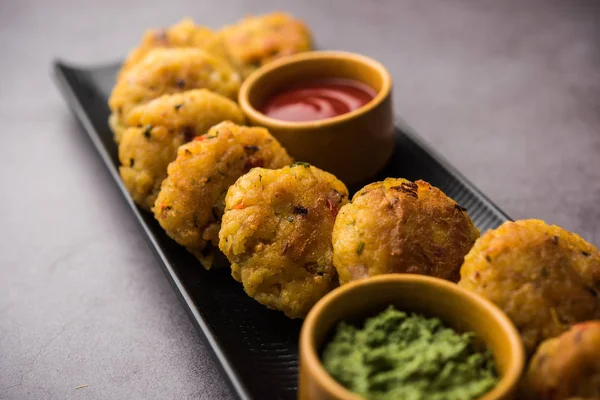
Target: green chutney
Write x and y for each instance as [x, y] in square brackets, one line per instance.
[408, 357]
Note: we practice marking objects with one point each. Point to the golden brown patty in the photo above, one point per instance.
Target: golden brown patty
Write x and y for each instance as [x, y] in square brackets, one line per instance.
[545, 278]
[183, 34]
[192, 198]
[166, 71]
[397, 226]
[161, 126]
[276, 232]
[254, 41]
[566, 367]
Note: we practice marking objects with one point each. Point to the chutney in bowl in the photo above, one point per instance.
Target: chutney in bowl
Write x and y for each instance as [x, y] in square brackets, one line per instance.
[354, 145]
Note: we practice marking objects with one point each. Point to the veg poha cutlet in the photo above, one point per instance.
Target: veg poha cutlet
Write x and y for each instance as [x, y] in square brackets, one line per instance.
[192, 198]
[160, 127]
[254, 41]
[543, 277]
[185, 33]
[567, 366]
[167, 71]
[397, 226]
[276, 232]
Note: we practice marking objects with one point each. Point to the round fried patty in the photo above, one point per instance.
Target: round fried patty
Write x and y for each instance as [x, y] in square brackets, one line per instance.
[276, 232]
[255, 41]
[161, 126]
[191, 200]
[566, 367]
[543, 277]
[182, 34]
[397, 226]
[167, 71]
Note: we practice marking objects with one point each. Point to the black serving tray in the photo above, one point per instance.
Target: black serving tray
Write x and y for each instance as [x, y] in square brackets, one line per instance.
[257, 348]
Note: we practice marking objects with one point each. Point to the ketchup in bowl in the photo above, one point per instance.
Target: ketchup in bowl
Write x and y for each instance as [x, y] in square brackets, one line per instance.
[318, 99]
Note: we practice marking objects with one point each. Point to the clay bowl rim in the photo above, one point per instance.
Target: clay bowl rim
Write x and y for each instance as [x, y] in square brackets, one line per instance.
[507, 383]
[271, 68]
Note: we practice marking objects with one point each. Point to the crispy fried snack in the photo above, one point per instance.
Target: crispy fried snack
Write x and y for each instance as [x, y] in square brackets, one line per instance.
[254, 41]
[192, 198]
[397, 226]
[167, 71]
[543, 277]
[183, 34]
[276, 232]
[566, 367]
[160, 127]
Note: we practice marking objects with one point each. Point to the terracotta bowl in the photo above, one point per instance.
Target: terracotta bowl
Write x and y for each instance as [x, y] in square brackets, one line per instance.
[457, 307]
[353, 146]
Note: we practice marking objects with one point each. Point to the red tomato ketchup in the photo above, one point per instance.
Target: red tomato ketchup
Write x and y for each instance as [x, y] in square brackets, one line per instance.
[318, 99]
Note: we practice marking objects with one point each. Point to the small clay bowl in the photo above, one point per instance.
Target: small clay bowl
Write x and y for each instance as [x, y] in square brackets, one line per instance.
[458, 308]
[353, 146]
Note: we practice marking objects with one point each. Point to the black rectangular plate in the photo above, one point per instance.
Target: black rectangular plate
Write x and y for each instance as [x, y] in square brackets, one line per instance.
[257, 348]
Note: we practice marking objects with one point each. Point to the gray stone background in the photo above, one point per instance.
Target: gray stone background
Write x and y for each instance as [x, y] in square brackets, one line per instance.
[508, 91]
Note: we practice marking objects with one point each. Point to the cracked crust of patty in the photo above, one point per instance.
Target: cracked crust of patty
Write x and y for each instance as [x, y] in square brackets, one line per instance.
[399, 226]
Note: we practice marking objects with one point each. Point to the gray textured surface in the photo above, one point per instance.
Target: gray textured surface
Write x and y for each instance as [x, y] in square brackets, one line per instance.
[508, 91]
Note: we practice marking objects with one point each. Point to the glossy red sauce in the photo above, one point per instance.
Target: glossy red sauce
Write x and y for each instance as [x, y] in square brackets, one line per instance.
[319, 99]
